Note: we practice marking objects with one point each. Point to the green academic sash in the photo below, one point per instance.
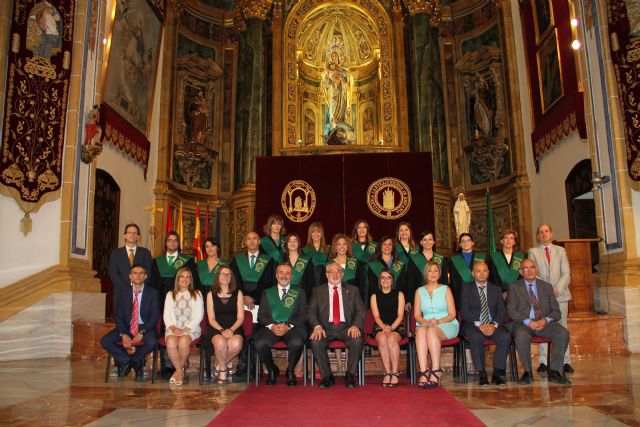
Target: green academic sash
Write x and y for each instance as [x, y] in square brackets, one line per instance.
[318, 257]
[401, 253]
[249, 274]
[396, 268]
[421, 261]
[271, 249]
[281, 309]
[508, 274]
[350, 268]
[462, 268]
[298, 270]
[366, 254]
[206, 276]
[167, 270]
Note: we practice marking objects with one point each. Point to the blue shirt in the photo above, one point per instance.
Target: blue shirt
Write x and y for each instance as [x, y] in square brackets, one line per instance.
[468, 257]
[484, 291]
[532, 315]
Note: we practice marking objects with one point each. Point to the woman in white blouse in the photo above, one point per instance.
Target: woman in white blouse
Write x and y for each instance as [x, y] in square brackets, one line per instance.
[183, 312]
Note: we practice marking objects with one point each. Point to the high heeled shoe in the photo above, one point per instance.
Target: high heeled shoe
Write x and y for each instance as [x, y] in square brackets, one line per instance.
[220, 379]
[426, 374]
[436, 383]
[394, 385]
[384, 377]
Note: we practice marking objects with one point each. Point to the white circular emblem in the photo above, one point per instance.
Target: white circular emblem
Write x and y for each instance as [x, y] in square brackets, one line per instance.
[298, 200]
[389, 198]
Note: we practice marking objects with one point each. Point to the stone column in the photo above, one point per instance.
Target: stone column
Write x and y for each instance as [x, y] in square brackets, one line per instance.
[250, 102]
[430, 127]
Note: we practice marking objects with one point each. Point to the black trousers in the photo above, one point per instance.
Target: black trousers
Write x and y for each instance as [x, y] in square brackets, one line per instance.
[337, 332]
[476, 339]
[294, 338]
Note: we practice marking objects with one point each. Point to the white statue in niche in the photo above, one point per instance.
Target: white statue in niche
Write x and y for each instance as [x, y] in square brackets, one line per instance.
[461, 215]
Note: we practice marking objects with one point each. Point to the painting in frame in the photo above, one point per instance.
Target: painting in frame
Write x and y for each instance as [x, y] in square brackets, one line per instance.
[542, 18]
[133, 61]
[549, 72]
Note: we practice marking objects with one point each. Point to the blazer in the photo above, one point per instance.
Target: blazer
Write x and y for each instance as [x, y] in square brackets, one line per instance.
[197, 312]
[558, 273]
[519, 304]
[298, 315]
[470, 306]
[352, 304]
[149, 310]
[119, 266]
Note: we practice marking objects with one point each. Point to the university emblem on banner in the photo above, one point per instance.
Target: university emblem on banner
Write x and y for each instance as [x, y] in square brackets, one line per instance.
[389, 198]
[298, 200]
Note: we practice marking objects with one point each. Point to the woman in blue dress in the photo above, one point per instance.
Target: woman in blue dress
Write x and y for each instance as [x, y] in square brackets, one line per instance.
[435, 313]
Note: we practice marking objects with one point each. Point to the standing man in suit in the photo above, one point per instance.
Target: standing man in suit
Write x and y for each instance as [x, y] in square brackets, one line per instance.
[336, 311]
[253, 271]
[532, 306]
[122, 259]
[136, 316]
[281, 315]
[553, 267]
[483, 312]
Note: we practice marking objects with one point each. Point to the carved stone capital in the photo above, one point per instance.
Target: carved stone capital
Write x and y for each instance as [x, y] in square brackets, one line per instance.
[255, 8]
[430, 7]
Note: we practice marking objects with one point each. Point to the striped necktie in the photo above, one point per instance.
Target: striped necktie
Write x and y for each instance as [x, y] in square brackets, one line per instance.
[484, 306]
[135, 314]
[131, 256]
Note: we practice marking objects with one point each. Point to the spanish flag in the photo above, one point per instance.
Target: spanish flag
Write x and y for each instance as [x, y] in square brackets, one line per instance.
[197, 239]
[179, 227]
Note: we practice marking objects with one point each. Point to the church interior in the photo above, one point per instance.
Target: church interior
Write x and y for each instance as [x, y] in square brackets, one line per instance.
[193, 115]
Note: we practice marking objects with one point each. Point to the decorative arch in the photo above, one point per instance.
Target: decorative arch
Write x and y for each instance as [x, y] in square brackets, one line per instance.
[368, 42]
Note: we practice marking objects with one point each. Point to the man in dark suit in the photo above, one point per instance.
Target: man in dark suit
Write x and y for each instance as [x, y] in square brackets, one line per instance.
[253, 271]
[533, 307]
[336, 311]
[122, 259]
[136, 317]
[483, 312]
[282, 313]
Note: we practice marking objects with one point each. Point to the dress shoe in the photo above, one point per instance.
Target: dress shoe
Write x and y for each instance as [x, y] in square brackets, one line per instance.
[139, 374]
[556, 377]
[123, 370]
[497, 379]
[526, 378]
[349, 380]
[567, 369]
[542, 370]
[500, 372]
[273, 375]
[291, 378]
[325, 383]
[484, 382]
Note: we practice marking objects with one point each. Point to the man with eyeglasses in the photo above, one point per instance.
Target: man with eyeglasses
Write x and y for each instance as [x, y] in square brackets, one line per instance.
[336, 312]
[163, 277]
[122, 259]
[533, 307]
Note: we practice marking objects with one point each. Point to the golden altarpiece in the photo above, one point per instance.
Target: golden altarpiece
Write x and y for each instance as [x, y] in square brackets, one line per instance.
[278, 78]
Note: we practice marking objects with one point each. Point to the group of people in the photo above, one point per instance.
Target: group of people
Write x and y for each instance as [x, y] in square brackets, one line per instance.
[321, 292]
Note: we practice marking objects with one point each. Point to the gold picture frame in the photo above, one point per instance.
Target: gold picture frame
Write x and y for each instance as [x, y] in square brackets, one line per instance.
[543, 20]
[550, 72]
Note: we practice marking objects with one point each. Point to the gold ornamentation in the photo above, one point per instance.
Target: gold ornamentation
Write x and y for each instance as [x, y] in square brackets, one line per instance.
[15, 43]
[389, 198]
[41, 67]
[298, 200]
[430, 7]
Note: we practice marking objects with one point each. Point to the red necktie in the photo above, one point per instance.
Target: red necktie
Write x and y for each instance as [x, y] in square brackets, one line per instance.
[534, 303]
[135, 314]
[336, 306]
[546, 252]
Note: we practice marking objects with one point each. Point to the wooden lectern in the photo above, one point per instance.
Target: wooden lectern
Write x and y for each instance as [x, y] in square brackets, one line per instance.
[581, 286]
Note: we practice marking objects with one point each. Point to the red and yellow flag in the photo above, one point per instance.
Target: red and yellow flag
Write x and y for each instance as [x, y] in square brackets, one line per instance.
[197, 239]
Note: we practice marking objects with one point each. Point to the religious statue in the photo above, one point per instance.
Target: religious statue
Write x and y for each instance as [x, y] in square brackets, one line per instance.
[336, 84]
[461, 215]
[196, 117]
[482, 110]
[92, 146]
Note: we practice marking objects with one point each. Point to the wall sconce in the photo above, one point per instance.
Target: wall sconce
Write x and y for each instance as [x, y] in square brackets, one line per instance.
[597, 181]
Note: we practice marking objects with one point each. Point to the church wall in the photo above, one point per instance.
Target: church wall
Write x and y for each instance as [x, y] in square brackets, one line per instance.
[22, 256]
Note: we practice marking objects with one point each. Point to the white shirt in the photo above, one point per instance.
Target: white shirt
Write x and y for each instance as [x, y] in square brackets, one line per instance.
[330, 288]
[135, 248]
[174, 255]
[255, 254]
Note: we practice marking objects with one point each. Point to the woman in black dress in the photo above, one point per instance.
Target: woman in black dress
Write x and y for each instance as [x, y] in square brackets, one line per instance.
[225, 312]
[387, 306]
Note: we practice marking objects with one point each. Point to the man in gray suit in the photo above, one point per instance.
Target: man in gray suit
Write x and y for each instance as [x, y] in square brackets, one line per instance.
[122, 259]
[553, 267]
[336, 312]
[532, 306]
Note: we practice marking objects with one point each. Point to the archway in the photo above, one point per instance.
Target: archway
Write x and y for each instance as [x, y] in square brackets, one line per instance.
[581, 205]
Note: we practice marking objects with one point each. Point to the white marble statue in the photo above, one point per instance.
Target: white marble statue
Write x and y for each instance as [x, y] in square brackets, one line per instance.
[461, 215]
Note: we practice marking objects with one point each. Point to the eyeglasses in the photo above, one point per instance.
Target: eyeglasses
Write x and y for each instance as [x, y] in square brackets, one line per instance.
[225, 274]
[334, 271]
[527, 268]
[172, 240]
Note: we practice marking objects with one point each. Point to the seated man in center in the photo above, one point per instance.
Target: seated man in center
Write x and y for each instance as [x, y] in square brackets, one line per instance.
[282, 313]
[336, 312]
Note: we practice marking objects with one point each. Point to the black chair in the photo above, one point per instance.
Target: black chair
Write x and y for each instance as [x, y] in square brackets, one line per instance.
[281, 345]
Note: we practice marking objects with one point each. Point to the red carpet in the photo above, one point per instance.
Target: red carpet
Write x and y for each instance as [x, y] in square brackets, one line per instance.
[370, 405]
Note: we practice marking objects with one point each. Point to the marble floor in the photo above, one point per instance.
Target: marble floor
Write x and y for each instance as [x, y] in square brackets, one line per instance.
[58, 392]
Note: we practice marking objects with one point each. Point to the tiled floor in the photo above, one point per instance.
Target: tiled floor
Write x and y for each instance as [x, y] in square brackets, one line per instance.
[56, 392]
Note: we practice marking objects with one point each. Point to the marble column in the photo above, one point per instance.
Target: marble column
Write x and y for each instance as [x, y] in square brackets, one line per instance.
[429, 117]
[249, 130]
